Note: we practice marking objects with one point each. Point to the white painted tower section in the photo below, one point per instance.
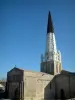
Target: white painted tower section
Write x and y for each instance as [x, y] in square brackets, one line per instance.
[51, 49]
[50, 43]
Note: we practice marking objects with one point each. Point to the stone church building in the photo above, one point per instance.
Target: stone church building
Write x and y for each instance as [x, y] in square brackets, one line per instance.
[50, 83]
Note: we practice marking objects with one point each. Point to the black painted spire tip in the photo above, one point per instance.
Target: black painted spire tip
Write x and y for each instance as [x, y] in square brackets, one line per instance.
[50, 24]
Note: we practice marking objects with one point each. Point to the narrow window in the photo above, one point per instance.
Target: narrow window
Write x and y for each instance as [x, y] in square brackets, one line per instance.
[50, 85]
[60, 67]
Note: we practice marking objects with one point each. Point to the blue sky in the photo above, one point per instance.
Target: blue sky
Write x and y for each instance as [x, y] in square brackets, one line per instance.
[23, 25]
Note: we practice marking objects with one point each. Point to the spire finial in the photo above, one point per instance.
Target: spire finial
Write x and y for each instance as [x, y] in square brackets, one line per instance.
[15, 66]
[50, 24]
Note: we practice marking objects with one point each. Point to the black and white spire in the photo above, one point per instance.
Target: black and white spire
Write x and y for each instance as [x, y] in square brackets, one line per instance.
[51, 60]
[50, 39]
[50, 24]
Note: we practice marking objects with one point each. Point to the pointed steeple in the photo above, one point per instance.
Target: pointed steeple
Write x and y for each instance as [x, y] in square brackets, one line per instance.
[50, 24]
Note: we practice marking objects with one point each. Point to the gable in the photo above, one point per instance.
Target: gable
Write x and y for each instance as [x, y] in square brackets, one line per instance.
[15, 71]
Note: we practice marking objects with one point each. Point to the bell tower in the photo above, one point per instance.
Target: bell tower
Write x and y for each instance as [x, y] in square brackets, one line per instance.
[51, 60]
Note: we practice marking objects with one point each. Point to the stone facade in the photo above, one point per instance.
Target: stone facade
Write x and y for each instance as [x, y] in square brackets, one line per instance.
[40, 86]
[14, 81]
[66, 82]
[30, 84]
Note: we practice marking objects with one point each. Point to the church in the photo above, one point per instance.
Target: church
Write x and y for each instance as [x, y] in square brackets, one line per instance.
[52, 82]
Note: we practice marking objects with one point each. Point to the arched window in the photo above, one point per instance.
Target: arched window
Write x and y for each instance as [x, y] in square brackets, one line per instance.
[51, 67]
[57, 68]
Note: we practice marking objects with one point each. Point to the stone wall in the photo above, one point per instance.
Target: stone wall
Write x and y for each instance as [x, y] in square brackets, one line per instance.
[65, 82]
[35, 84]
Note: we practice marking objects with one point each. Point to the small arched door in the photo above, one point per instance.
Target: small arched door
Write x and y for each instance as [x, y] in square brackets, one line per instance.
[17, 94]
[62, 94]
